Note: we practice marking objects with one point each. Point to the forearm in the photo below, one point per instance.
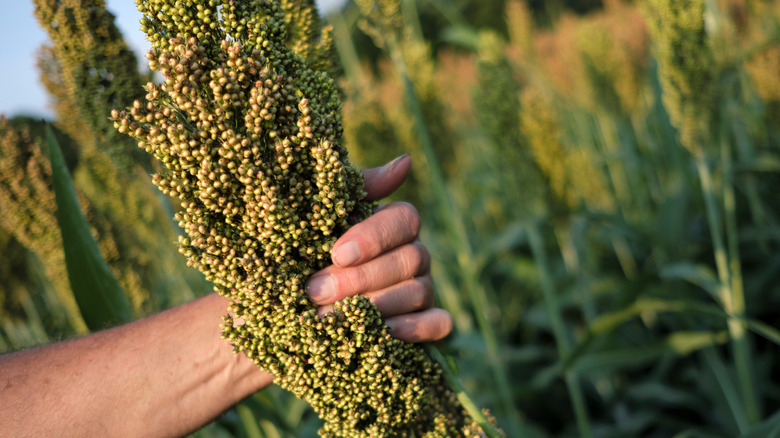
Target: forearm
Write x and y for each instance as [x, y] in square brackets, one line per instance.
[165, 375]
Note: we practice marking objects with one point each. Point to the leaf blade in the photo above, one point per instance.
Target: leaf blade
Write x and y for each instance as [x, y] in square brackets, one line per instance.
[100, 298]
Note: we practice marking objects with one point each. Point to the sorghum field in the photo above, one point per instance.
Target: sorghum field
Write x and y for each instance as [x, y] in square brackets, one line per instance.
[599, 184]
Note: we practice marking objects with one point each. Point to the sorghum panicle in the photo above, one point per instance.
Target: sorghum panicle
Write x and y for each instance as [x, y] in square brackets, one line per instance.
[88, 69]
[250, 135]
[686, 68]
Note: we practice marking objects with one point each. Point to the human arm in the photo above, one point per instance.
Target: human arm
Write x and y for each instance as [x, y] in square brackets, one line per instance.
[164, 375]
[169, 374]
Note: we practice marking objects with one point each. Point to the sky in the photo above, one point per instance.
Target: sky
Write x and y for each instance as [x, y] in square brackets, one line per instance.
[21, 37]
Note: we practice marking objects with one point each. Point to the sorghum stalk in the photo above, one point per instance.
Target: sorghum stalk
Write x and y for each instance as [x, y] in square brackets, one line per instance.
[562, 341]
[497, 110]
[689, 75]
[250, 134]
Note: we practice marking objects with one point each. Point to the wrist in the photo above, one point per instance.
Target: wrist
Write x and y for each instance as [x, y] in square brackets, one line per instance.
[211, 378]
[239, 373]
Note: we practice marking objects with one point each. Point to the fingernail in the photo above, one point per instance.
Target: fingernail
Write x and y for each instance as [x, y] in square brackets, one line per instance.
[321, 288]
[324, 310]
[346, 254]
[391, 165]
[390, 325]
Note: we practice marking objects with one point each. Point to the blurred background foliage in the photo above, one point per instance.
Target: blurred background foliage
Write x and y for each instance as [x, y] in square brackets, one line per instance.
[602, 211]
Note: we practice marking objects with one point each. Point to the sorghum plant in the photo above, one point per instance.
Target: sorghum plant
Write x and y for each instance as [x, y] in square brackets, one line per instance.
[497, 109]
[250, 135]
[692, 78]
[88, 69]
[569, 171]
[29, 215]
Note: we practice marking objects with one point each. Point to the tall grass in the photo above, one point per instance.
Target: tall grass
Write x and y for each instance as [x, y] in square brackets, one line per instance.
[607, 244]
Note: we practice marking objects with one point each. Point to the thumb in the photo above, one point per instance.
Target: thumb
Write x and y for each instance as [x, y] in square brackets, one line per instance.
[380, 182]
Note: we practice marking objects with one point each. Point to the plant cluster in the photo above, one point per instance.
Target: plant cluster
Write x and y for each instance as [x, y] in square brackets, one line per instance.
[250, 135]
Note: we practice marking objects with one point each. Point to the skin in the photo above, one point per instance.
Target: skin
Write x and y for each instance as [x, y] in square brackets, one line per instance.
[170, 374]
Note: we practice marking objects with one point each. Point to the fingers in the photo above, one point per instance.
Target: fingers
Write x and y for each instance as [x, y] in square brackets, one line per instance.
[395, 266]
[394, 225]
[426, 326]
[382, 259]
[380, 182]
[405, 297]
[407, 309]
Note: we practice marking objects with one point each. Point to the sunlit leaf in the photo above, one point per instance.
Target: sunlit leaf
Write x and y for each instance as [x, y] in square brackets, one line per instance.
[99, 295]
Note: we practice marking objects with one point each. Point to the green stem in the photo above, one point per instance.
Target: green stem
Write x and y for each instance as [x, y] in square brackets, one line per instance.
[746, 153]
[732, 300]
[452, 379]
[465, 255]
[559, 329]
[346, 50]
[451, 296]
[742, 352]
[617, 173]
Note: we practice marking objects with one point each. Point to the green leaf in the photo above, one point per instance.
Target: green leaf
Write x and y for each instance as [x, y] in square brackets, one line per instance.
[761, 163]
[99, 295]
[770, 428]
[685, 343]
[680, 343]
[502, 242]
[699, 275]
[268, 414]
[664, 395]
[728, 389]
[249, 422]
[610, 321]
[463, 36]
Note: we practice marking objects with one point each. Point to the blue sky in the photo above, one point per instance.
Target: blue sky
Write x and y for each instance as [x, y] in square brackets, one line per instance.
[21, 36]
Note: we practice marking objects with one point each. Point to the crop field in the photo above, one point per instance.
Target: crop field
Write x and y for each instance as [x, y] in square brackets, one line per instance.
[599, 184]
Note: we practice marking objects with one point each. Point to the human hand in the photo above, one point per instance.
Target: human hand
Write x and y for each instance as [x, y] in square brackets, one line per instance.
[383, 259]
